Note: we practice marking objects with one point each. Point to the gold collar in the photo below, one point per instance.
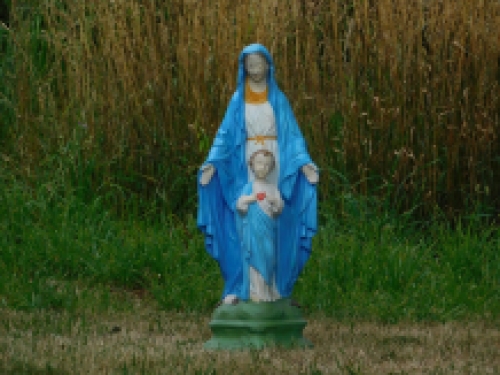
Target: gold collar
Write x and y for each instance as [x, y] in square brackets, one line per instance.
[252, 97]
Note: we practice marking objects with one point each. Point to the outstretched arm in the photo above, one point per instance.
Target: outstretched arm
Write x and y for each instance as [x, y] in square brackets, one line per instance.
[295, 152]
[222, 146]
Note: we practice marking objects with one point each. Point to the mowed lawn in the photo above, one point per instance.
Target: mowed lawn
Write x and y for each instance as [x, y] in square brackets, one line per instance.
[143, 339]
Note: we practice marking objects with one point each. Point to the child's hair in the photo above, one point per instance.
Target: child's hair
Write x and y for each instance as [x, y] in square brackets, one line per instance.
[265, 153]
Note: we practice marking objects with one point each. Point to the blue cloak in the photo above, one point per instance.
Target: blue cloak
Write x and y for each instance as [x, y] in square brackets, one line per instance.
[297, 223]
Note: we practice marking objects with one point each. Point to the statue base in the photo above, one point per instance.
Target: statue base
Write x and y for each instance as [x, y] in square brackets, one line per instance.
[257, 325]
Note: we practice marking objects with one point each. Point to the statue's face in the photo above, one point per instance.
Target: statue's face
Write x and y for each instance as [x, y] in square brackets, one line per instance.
[262, 165]
[256, 67]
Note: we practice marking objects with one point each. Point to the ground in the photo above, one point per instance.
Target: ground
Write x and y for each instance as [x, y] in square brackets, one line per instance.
[146, 340]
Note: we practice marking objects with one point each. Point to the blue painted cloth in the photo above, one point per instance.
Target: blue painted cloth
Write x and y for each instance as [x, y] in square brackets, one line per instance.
[297, 223]
[257, 233]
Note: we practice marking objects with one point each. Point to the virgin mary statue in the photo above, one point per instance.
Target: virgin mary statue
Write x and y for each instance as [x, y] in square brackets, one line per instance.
[259, 116]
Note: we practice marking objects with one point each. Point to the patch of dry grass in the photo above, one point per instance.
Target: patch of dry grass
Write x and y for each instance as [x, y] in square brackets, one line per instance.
[146, 340]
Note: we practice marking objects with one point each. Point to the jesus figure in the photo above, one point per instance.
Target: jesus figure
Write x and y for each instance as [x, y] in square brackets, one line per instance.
[257, 209]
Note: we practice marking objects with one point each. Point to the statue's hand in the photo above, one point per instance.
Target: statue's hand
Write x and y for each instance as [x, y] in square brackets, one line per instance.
[274, 205]
[273, 201]
[243, 202]
[252, 198]
[207, 174]
[311, 173]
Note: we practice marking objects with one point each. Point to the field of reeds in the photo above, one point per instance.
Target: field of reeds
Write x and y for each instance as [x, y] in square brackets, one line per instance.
[398, 99]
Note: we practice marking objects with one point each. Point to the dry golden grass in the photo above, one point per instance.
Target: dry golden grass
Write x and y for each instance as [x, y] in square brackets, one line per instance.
[152, 341]
[138, 73]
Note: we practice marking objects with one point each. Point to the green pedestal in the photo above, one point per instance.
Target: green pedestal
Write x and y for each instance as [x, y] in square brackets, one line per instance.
[256, 325]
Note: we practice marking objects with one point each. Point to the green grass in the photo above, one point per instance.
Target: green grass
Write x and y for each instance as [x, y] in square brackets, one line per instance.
[363, 266]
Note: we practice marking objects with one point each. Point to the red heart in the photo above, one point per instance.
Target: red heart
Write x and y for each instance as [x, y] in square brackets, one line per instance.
[261, 196]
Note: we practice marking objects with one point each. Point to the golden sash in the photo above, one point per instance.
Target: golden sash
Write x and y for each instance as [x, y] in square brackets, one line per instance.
[261, 138]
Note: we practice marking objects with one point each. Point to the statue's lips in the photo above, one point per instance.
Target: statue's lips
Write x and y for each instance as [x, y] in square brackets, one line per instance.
[257, 77]
[261, 196]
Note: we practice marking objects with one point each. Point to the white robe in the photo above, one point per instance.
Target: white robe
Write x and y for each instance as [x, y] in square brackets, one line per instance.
[260, 120]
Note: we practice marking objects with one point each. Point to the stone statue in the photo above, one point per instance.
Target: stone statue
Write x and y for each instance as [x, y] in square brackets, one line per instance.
[259, 117]
[258, 206]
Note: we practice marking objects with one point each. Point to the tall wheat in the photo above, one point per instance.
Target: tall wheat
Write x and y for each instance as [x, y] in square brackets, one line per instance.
[398, 96]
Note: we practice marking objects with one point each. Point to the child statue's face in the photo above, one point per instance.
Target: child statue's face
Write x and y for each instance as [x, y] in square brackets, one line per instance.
[262, 165]
[256, 67]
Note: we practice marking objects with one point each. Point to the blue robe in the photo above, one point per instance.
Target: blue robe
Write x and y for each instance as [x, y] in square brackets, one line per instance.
[257, 233]
[297, 223]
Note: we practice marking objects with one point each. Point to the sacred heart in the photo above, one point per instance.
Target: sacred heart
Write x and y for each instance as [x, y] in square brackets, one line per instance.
[261, 196]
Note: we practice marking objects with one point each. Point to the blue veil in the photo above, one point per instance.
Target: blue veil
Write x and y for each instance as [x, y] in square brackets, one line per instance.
[297, 223]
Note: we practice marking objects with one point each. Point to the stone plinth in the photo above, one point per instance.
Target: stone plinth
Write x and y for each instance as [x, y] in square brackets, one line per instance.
[256, 325]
